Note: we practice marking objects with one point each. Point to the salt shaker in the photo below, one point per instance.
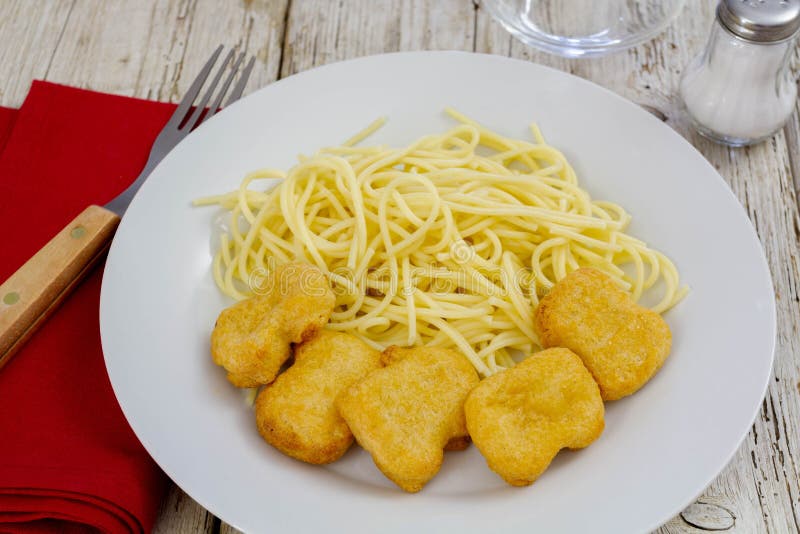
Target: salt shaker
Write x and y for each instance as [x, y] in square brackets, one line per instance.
[740, 91]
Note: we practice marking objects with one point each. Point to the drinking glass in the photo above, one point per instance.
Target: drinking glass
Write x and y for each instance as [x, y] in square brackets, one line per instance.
[581, 28]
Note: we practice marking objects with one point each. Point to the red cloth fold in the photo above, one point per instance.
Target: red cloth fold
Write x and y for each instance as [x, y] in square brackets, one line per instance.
[69, 462]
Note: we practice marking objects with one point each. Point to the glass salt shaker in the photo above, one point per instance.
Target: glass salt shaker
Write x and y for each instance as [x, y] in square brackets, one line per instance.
[740, 91]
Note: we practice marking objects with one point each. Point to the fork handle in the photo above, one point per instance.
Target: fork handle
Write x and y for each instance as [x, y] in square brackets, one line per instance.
[32, 293]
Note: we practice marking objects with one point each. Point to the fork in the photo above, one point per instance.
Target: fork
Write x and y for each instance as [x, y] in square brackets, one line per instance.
[36, 289]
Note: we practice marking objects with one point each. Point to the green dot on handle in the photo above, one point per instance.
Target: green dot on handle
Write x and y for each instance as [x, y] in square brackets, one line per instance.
[78, 231]
[11, 298]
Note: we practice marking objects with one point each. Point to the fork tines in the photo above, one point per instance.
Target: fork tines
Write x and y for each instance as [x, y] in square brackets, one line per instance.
[183, 115]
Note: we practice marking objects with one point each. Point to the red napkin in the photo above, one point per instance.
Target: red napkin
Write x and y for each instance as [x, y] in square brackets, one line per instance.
[69, 462]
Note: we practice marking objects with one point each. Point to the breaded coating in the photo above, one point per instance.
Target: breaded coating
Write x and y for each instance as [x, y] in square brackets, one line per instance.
[520, 418]
[406, 413]
[295, 413]
[621, 343]
[252, 338]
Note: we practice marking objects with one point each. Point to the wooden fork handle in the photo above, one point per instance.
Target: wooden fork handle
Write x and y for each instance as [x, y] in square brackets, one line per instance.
[32, 293]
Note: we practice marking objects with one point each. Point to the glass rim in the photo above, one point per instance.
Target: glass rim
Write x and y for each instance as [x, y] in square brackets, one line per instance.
[574, 47]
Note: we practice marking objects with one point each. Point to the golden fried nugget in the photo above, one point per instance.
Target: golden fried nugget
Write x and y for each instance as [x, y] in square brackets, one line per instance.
[295, 413]
[621, 343]
[252, 338]
[406, 413]
[394, 353]
[520, 418]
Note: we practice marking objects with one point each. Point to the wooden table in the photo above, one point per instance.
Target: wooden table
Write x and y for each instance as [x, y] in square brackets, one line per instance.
[153, 48]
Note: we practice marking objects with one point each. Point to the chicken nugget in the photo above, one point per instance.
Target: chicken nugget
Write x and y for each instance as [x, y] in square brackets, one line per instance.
[252, 339]
[621, 343]
[395, 353]
[520, 418]
[406, 413]
[295, 413]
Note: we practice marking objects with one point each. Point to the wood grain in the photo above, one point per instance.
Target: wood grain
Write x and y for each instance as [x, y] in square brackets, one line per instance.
[344, 30]
[34, 291]
[180, 513]
[152, 48]
[792, 130]
[30, 32]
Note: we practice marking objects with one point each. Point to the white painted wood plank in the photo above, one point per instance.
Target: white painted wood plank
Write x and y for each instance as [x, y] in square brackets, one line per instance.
[180, 513]
[320, 31]
[225, 528]
[29, 35]
[792, 130]
[154, 49]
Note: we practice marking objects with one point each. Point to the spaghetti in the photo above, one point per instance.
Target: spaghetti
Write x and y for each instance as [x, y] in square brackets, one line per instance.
[449, 242]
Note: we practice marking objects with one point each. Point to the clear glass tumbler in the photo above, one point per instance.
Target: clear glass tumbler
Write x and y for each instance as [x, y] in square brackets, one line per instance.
[581, 28]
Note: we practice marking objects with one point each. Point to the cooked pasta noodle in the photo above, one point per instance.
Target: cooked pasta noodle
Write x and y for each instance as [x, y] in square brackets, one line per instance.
[450, 241]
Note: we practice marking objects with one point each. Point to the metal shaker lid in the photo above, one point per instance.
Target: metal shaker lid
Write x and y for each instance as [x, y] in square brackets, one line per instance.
[762, 21]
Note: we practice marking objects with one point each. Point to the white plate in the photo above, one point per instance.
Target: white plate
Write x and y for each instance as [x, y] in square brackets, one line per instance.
[661, 446]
